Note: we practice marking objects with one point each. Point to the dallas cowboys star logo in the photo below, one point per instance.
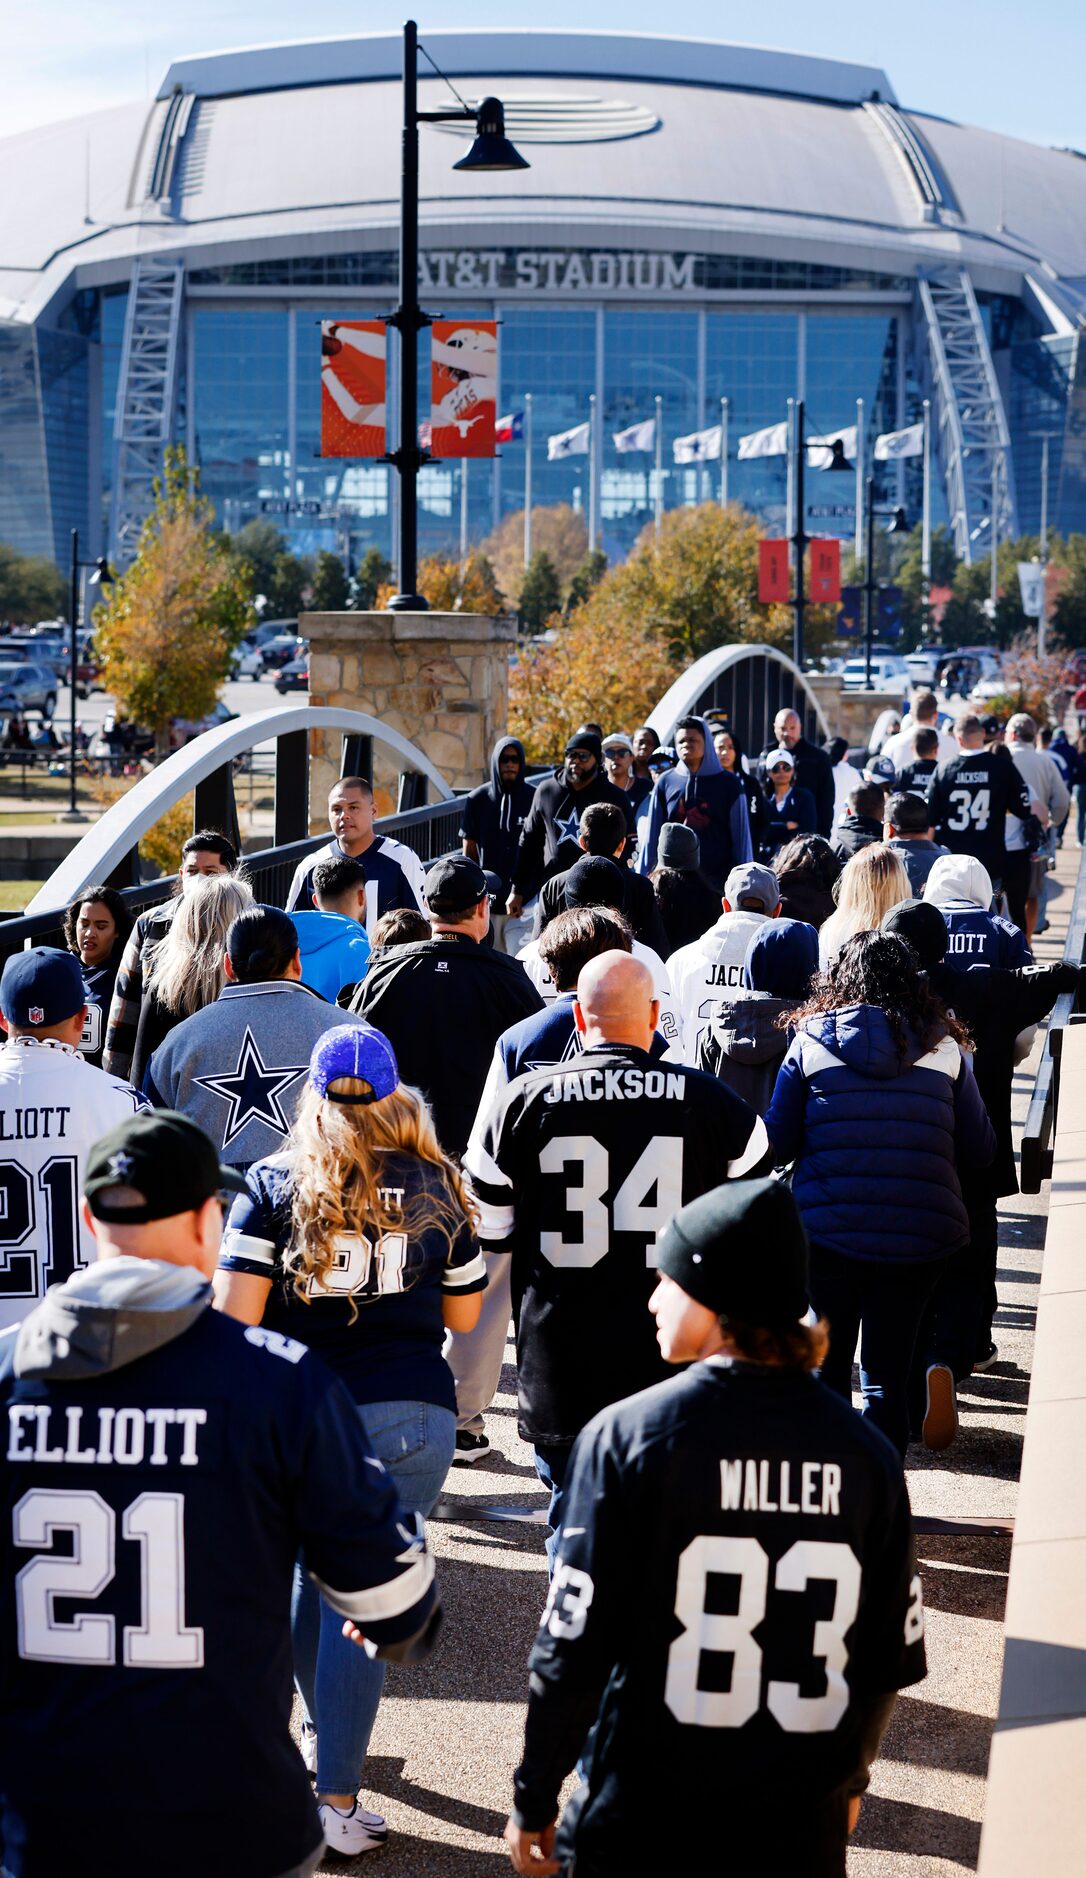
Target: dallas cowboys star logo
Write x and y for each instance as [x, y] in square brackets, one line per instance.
[570, 828]
[120, 1166]
[252, 1090]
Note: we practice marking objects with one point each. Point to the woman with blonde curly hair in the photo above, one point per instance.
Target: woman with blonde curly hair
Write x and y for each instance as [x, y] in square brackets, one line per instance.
[871, 883]
[187, 970]
[359, 1241]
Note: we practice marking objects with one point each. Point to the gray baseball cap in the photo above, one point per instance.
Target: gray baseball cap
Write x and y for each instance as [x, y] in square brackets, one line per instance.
[748, 881]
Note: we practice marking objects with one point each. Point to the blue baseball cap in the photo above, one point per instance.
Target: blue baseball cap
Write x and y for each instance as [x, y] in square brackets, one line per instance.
[354, 1050]
[41, 987]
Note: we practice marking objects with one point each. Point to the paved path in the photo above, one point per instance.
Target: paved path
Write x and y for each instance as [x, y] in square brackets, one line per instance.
[448, 1734]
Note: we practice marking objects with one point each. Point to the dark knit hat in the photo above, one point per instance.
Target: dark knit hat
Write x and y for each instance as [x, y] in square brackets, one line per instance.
[678, 847]
[740, 1250]
[921, 925]
[595, 881]
[585, 740]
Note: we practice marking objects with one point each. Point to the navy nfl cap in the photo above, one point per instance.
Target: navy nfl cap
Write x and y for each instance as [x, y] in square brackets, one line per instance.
[41, 987]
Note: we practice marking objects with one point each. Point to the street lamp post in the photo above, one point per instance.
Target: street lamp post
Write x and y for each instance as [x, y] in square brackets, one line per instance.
[799, 536]
[899, 526]
[101, 577]
[491, 150]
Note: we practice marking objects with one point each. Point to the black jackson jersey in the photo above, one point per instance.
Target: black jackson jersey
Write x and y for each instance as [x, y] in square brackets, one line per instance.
[735, 1589]
[969, 800]
[576, 1170]
[150, 1520]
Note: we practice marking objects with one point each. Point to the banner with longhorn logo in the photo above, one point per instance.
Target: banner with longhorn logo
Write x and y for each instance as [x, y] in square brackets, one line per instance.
[463, 387]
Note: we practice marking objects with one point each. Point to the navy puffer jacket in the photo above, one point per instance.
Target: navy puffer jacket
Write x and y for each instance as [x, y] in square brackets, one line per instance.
[875, 1143]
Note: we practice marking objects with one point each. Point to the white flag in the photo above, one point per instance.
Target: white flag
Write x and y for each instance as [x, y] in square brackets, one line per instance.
[638, 437]
[1031, 582]
[820, 449]
[895, 443]
[701, 446]
[770, 442]
[568, 443]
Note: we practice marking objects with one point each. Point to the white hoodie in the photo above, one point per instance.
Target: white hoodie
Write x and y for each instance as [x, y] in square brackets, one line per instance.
[708, 974]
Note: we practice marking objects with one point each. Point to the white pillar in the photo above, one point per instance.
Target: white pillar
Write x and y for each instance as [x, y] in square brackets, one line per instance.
[593, 498]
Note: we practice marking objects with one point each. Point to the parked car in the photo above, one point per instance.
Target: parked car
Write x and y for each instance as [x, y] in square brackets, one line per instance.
[25, 686]
[923, 665]
[247, 661]
[888, 673]
[293, 676]
[282, 649]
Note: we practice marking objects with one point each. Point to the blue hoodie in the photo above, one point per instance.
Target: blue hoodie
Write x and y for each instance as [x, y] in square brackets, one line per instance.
[713, 803]
[335, 951]
[877, 1144]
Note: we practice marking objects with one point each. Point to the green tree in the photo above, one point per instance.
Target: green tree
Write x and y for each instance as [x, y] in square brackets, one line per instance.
[31, 589]
[290, 586]
[331, 586]
[586, 579]
[168, 626]
[540, 593]
[373, 573]
[1067, 577]
[259, 544]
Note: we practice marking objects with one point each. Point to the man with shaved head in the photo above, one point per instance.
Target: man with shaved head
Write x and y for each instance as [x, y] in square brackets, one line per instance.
[813, 769]
[577, 1167]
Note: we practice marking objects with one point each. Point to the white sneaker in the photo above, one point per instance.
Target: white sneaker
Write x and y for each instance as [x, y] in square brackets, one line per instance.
[353, 1832]
[308, 1747]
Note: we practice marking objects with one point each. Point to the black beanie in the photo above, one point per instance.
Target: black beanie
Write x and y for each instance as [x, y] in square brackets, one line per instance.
[741, 1251]
[595, 881]
[585, 740]
[922, 926]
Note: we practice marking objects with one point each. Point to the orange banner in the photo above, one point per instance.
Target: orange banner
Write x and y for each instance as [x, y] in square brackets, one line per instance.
[353, 368]
[826, 570]
[463, 387]
[772, 571]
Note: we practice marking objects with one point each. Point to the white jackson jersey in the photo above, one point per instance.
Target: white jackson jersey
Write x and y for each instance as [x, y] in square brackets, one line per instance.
[53, 1108]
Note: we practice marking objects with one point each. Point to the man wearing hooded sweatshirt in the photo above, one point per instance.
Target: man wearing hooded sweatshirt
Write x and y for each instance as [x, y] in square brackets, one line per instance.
[333, 943]
[492, 820]
[548, 841]
[709, 973]
[961, 888]
[745, 1044]
[163, 1470]
[710, 800]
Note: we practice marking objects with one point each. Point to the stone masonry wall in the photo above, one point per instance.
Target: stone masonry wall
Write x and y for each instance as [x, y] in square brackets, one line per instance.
[440, 679]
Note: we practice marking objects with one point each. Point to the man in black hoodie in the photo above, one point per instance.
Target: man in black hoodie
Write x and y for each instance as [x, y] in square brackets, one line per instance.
[491, 823]
[549, 840]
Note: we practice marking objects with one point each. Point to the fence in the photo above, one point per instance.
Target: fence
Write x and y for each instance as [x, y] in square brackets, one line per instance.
[1043, 1109]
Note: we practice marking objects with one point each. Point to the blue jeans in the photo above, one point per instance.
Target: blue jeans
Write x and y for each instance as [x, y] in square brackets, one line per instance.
[883, 1303]
[551, 1464]
[339, 1684]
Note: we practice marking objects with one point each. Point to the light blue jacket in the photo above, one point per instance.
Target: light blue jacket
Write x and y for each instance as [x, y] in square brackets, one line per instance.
[335, 951]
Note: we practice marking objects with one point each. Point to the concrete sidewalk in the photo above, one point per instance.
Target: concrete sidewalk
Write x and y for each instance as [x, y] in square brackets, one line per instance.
[448, 1735]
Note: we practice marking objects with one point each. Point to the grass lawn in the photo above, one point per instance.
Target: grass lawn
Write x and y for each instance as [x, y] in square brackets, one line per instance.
[26, 818]
[14, 894]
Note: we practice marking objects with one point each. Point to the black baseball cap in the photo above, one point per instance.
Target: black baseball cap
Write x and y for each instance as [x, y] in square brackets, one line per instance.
[740, 1250]
[454, 885]
[163, 1156]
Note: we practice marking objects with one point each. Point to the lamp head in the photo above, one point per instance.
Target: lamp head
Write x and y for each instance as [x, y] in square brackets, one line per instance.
[838, 459]
[900, 523]
[492, 149]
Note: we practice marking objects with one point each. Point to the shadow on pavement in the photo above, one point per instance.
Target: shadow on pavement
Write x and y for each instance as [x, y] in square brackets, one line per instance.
[922, 1831]
[927, 1735]
[385, 1775]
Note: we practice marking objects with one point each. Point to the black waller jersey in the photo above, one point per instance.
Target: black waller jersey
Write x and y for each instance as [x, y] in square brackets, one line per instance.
[736, 1590]
[576, 1170]
[969, 799]
[150, 1519]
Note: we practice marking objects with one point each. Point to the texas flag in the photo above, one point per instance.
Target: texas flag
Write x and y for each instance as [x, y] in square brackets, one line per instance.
[509, 429]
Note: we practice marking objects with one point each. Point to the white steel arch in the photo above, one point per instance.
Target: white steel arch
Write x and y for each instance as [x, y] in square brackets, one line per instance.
[116, 834]
[681, 698]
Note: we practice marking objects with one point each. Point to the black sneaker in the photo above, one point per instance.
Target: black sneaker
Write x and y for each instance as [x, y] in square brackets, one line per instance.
[469, 1448]
[987, 1360]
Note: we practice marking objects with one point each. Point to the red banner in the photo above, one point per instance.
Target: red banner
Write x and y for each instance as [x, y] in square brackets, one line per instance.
[772, 571]
[826, 571]
[353, 363]
[463, 387]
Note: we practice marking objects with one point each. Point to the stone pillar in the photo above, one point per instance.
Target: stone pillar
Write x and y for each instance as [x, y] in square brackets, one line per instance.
[440, 679]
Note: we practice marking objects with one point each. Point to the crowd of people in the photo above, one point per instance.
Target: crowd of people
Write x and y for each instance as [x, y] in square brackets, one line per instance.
[697, 1066]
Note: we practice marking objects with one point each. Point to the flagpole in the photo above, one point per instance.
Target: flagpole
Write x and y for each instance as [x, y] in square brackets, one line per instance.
[463, 515]
[659, 465]
[592, 516]
[723, 453]
[858, 548]
[925, 528]
[527, 479]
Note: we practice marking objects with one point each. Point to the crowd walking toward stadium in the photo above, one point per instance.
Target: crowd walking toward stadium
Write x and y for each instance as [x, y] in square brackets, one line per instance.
[697, 1065]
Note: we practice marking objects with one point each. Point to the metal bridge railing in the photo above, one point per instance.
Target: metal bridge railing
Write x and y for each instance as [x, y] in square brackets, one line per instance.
[1042, 1113]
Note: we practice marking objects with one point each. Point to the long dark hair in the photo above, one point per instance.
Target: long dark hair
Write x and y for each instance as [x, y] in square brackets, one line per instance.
[808, 857]
[115, 905]
[881, 969]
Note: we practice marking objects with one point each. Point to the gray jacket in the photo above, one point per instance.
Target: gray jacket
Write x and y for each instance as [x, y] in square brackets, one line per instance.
[919, 855]
[743, 1046]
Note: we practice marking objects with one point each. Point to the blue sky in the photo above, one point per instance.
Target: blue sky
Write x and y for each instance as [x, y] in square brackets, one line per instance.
[1006, 65]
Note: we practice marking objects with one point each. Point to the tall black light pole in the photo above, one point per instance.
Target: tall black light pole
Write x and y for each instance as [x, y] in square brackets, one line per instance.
[799, 539]
[899, 526]
[491, 150]
[102, 577]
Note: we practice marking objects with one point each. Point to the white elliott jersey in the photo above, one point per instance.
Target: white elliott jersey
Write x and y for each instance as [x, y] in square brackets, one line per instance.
[669, 1026]
[53, 1108]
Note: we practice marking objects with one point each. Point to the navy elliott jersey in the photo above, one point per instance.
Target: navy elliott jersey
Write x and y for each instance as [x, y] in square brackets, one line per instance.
[969, 800]
[376, 1316]
[150, 1522]
[576, 1171]
[735, 1589]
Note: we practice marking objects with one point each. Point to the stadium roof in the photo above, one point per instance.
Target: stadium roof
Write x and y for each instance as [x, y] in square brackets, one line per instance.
[693, 145]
